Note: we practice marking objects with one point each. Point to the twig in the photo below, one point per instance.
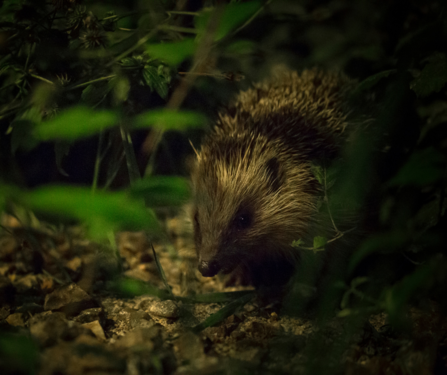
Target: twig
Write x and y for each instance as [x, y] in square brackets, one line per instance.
[134, 47]
[250, 19]
[42, 79]
[178, 29]
[98, 161]
[90, 82]
[183, 13]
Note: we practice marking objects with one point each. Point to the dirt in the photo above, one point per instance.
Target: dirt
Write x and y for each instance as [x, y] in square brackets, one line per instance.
[62, 313]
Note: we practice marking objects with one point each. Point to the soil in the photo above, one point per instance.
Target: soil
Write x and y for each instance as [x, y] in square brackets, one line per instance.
[68, 307]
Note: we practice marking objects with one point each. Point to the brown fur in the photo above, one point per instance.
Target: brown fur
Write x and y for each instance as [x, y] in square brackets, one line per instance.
[254, 190]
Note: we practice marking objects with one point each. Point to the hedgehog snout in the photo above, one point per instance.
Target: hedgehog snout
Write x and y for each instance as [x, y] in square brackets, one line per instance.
[209, 268]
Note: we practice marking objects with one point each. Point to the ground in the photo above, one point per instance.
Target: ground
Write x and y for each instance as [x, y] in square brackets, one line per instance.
[69, 301]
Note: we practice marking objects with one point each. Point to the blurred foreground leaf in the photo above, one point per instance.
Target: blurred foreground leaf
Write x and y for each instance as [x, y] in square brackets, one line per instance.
[423, 168]
[173, 53]
[75, 123]
[162, 191]
[419, 282]
[382, 242]
[102, 212]
[18, 354]
[166, 119]
[130, 288]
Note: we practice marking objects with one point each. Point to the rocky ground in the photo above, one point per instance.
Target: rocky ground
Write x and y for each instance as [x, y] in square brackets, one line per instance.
[71, 306]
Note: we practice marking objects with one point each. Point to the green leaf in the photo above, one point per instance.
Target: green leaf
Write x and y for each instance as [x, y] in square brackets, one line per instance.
[172, 53]
[423, 168]
[297, 243]
[223, 313]
[121, 87]
[130, 288]
[234, 15]
[433, 77]
[344, 313]
[319, 242]
[217, 297]
[161, 272]
[102, 212]
[167, 119]
[75, 123]
[421, 280]
[383, 242]
[358, 281]
[162, 191]
[22, 135]
[371, 81]
[318, 173]
[155, 81]
[241, 47]
[95, 93]
[43, 94]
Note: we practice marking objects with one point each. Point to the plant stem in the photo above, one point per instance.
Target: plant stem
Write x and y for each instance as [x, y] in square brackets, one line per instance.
[90, 82]
[131, 160]
[178, 29]
[42, 79]
[98, 161]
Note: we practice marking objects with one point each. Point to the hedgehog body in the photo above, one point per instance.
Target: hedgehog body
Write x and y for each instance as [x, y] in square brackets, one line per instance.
[254, 188]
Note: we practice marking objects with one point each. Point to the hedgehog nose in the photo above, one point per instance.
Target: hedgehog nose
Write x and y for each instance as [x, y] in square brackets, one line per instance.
[209, 268]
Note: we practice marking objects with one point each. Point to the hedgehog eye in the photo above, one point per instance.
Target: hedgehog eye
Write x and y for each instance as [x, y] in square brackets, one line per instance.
[243, 221]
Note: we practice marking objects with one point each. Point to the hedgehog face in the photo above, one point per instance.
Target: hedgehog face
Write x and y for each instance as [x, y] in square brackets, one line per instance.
[239, 206]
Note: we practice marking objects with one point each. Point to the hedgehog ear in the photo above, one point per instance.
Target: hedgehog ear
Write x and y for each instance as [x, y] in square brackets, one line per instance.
[274, 173]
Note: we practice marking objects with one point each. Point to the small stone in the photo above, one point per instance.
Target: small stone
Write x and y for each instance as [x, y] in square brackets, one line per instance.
[70, 299]
[144, 303]
[144, 337]
[16, 320]
[188, 348]
[139, 274]
[112, 306]
[74, 264]
[140, 319]
[46, 283]
[97, 330]
[164, 309]
[66, 358]
[27, 283]
[252, 355]
[90, 315]
[48, 328]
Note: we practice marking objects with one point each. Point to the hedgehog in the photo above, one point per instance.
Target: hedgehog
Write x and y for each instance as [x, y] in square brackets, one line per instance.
[255, 191]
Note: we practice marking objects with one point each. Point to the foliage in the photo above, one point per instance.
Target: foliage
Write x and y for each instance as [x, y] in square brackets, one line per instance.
[61, 54]
[73, 71]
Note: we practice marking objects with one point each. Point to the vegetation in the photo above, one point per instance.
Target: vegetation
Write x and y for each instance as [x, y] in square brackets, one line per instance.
[99, 99]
